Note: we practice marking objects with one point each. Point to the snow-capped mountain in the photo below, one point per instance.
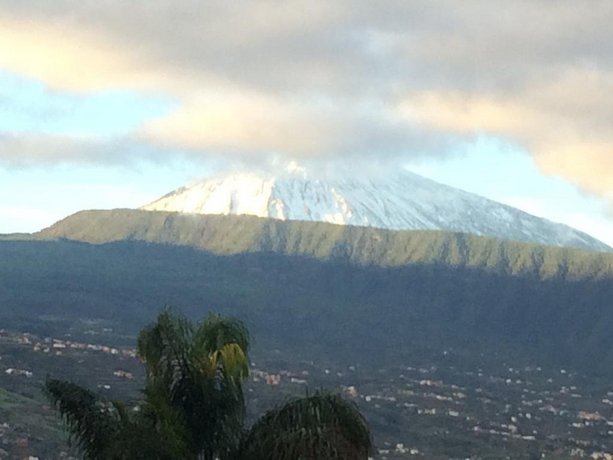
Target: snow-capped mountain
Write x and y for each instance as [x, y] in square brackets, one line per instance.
[402, 201]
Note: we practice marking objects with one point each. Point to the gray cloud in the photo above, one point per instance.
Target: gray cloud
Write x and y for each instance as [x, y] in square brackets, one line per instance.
[301, 45]
[312, 78]
[23, 150]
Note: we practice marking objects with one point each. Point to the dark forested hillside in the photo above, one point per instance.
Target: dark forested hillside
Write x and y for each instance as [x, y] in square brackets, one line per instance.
[537, 304]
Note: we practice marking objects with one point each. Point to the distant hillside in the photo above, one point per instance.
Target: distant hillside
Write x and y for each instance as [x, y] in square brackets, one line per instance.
[325, 309]
[15, 236]
[359, 245]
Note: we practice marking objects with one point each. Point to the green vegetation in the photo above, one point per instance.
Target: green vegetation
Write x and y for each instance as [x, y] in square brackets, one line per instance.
[27, 416]
[226, 235]
[296, 302]
[194, 405]
[15, 236]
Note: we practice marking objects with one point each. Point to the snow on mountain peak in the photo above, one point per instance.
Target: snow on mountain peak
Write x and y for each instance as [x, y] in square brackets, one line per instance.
[400, 201]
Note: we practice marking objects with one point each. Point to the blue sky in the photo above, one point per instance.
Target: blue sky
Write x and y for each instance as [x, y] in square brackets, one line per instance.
[29, 106]
[108, 105]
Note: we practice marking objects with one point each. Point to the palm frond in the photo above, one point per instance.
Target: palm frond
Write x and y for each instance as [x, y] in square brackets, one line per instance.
[317, 427]
[91, 422]
[217, 331]
[163, 346]
[232, 361]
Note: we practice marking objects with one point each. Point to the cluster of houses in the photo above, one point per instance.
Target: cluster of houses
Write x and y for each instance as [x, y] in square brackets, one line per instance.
[526, 407]
[59, 347]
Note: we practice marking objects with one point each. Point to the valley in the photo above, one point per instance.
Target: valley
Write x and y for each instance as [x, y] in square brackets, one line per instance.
[453, 346]
[436, 407]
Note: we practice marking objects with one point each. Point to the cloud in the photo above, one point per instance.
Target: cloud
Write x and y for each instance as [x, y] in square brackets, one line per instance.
[23, 150]
[319, 78]
[241, 122]
[255, 124]
[68, 59]
[562, 122]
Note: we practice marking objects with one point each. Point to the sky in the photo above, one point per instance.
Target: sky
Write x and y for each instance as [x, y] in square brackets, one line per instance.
[109, 103]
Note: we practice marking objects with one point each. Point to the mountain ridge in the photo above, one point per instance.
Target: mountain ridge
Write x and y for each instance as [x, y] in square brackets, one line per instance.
[358, 245]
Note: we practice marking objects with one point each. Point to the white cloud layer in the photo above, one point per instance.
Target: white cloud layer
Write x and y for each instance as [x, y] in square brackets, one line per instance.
[318, 78]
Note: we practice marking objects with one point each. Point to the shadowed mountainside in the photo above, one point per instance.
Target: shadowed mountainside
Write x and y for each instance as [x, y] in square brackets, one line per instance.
[394, 293]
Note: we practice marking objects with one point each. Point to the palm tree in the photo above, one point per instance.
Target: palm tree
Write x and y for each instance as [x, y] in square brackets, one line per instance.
[194, 405]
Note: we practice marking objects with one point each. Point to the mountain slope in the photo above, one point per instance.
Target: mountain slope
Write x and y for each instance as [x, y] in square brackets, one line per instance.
[358, 245]
[298, 302]
[402, 201]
